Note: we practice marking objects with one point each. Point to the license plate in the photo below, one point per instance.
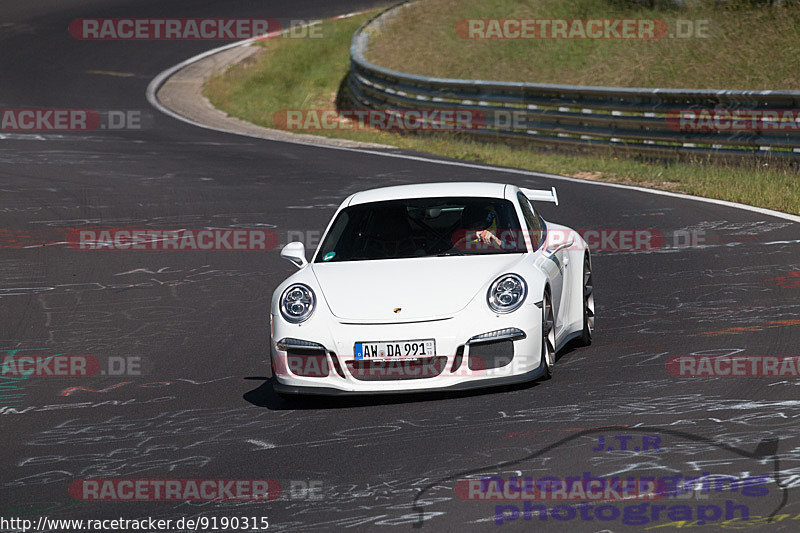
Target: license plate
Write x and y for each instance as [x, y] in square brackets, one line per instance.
[395, 349]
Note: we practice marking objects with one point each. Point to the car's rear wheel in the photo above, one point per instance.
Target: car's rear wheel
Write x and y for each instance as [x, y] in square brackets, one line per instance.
[588, 302]
[548, 336]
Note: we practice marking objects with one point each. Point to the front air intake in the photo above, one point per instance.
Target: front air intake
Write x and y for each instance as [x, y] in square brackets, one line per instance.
[486, 355]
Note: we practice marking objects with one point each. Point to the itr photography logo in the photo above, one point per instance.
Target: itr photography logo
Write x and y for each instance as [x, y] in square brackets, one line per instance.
[542, 491]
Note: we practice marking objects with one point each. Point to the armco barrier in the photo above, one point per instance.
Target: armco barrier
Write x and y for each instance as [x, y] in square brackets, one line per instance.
[644, 120]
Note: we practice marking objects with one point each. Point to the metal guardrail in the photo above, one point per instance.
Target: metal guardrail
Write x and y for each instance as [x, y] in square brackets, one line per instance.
[637, 119]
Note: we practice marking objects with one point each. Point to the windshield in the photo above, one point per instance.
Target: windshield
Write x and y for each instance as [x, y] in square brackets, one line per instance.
[422, 227]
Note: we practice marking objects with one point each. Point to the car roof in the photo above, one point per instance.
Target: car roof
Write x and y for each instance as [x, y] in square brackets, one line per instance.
[431, 190]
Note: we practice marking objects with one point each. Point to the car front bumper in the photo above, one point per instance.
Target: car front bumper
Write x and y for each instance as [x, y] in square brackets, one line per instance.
[324, 362]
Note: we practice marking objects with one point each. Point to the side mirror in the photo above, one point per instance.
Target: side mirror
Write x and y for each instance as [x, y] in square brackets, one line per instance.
[296, 253]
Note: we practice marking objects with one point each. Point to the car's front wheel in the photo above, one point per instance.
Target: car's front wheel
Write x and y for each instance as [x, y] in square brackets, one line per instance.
[548, 336]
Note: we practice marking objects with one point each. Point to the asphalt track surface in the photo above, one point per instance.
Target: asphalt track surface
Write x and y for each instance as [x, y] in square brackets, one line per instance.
[205, 409]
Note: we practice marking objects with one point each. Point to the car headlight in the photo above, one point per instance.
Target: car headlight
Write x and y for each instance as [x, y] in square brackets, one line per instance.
[507, 293]
[297, 303]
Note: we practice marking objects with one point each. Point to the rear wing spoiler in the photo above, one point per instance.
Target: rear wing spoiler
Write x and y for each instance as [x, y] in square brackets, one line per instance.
[539, 195]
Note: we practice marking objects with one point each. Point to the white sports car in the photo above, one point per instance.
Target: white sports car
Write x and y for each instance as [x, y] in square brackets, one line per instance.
[440, 286]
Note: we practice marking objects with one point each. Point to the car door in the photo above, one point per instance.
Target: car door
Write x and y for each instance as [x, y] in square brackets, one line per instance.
[551, 261]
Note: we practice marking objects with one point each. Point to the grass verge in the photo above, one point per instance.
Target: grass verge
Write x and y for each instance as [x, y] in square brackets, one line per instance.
[736, 44]
[307, 73]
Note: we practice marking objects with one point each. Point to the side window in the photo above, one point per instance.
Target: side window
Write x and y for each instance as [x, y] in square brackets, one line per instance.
[531, 220]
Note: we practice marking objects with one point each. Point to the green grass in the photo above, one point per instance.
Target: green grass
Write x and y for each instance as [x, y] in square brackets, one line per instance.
[748, 46]
[292, 74]
[306, 74]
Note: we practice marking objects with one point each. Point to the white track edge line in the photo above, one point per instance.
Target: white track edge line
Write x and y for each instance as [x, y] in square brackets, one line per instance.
[158, 81]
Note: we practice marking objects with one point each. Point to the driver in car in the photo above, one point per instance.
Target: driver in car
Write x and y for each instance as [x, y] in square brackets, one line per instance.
[481, 224]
